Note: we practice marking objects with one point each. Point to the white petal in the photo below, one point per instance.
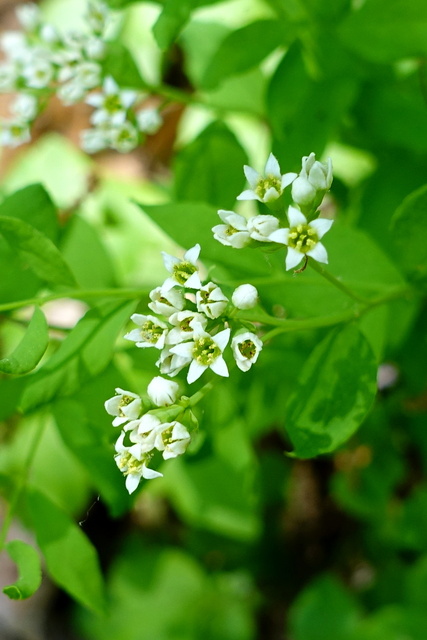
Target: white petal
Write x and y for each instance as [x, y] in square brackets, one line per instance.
[280, 235]
[322, 225]
[222, 338]
[295, 217]
[319, 253]
[95, 100]
[293, 258]
[132, 482]
[112, 405]
[287, 179]
[119, 421]
[169, 261]
[271, 194]
[240, 239]
[192, 255]
[127, 97]
[134, 335]
[185, 349]
[272, 167]
[193, 281]
[110, 86]
[252, 176]
[168, 284]
[149, 474]
[224, 214]
[195, 371]
[248, 195]
[138, 318]
[219, 367]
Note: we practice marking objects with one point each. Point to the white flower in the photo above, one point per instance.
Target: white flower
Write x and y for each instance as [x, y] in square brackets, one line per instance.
[134, 467]
[268, 187]
[29, 16]
[97, 16]
[125, 405]
[246, 348]
[312, 183]
[234, 231]
[124, 137]
[162, 392]
[303, 238]
[112, 104]
[245, 297]
[8, 77]
[13, 134]
[171, 364]
[149, 120]
[141, 433]
[93, 140]
[151, 333]
[95, 48]
[184, 273]
[49, 34]
[183, 322]
[25, 107]
[166, 302]
[261, 227]
[85, 74]
[15, 45]
[205, 352]
[211, 301]
[38, 74]
[172, 439]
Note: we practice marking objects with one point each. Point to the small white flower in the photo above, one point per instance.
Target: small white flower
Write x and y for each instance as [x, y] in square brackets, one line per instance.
[205, 352]
[149, 120]
[261, 227]
[245, 297]
[141, 433]
[166, 302]
[95, 48]
[25, 107]
[93, 140]
[303, 238]
[172, 438]
[184, 273]
[312, 183]
[49, 34]
[97, 15]
[88, 74]
[71, 92]
[29, 16]
[183, 328]
[151, 333]
[15, 45]
[268, 187]
[38, 74]
[124, 137]
[246, 348]
[134, 467]
[211, 301]
[234, 232]
[125, 406]
[162, 392]
[13, 134]
[112, 104]
[8, 77]
[171, 364]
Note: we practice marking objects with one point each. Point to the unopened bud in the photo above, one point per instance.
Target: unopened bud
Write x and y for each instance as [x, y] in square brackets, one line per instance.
[162, 392]
[245, 297]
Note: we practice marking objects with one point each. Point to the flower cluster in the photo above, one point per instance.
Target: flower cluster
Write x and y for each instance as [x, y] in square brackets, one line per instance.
[40, 61]
[146, 429]
[303, 229]
[190, 325]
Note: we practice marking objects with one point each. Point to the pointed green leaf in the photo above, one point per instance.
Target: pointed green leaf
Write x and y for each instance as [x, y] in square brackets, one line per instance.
[30, 350]
[70, 558]
[30, 574]
[171, 20]
[37, 251]
[336, 389]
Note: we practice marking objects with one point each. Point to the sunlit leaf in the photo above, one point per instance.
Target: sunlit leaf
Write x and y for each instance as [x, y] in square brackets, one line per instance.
[30, 350]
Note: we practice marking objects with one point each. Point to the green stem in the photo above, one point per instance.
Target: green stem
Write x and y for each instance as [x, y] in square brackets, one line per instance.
[76, 294]
[288, 326]
[196, 397]
[21, 483]
[337, 283]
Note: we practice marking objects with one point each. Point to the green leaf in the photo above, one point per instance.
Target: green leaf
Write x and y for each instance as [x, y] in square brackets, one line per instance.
[30, 574]
[30, 350]
[36, 250]
[386, 30]
[336, 389]
[210, 169]
[120, 64]
[70, 558]
[84, 354]
[243, 49]
[198, 220]
[409, 233]
[34, 206]
[171, 20]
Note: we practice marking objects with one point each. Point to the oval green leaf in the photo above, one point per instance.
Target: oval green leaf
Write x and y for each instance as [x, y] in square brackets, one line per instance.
[336, 389]
[30, 350]
[30, 575]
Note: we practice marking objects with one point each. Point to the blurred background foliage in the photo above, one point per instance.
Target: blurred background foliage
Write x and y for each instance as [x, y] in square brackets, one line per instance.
[237, 541]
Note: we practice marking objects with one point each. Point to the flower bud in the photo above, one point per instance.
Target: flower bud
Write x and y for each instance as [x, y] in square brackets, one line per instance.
[162, 392]
[245, 297]
[312, 183]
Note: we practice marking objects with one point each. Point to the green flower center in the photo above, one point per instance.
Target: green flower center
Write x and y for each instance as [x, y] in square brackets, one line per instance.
[182, 271]
[124, 403]
[151, 332]
[205, 351]
[112, 103]
[266, 183]
[184, 325]
[303, 238]
[247, 349]
[230, 231]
